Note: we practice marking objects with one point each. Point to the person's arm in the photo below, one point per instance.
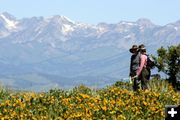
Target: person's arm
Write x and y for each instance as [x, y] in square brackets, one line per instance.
[142, 62]
[130, 69]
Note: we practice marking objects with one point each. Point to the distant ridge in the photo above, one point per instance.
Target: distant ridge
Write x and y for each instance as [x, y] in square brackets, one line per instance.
[64, 52]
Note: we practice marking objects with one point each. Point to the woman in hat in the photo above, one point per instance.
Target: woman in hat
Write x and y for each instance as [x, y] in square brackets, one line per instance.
[142, 47]
[142, 72]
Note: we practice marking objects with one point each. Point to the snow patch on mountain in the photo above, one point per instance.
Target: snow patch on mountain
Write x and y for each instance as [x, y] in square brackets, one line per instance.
[68, 19]
[10, 24]
[177, 28]
[128, 36]
[127, 23]
[66, 29]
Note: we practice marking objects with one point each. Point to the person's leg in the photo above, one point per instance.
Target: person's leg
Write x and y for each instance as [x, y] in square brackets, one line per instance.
[144, 81]
[149, 74]
[135, 82]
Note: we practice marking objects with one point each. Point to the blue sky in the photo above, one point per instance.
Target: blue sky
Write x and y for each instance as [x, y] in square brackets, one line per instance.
[94, 11]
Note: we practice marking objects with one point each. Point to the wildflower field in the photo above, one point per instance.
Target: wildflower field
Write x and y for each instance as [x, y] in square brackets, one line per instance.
[116, 102]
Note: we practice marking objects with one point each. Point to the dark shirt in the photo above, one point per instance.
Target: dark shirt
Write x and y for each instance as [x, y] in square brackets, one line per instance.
[135, 61]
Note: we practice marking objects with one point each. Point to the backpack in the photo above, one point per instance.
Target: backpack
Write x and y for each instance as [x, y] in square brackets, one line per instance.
[150, 63]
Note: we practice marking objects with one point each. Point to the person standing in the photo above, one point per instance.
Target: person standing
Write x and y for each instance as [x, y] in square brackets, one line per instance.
[134, 65]
[142, 72]
[141, 47]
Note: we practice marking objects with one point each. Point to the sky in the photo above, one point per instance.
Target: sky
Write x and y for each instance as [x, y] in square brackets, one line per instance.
[160, 12]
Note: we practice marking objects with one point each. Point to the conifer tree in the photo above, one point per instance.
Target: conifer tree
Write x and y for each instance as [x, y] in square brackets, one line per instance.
[168, 61]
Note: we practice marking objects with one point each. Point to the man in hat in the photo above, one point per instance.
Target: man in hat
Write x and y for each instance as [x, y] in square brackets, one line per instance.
[134, 65]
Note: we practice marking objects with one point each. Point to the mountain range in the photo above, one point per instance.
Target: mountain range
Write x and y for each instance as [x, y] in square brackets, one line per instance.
[40, 53]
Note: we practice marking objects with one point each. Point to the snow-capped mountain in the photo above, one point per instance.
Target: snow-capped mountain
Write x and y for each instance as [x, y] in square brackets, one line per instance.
[59, 51]
[8, 24]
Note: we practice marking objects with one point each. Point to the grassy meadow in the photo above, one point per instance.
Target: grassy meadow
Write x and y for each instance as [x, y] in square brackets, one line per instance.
[115, 102]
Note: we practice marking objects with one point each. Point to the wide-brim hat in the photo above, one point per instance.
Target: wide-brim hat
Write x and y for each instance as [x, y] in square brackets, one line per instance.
[141, 47]
[134, 47]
